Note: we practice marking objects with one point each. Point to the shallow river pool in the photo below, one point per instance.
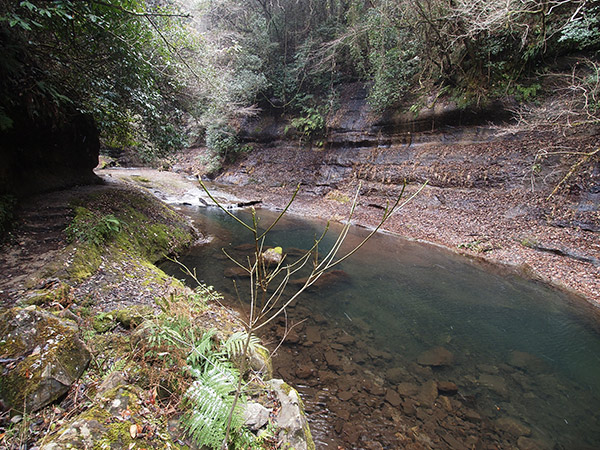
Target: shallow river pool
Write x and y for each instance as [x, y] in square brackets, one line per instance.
[412, 346]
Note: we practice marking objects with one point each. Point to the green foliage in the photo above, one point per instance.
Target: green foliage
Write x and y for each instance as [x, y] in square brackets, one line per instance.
[222, 139]
[583, 32]
[210, 398]
[392, 59]
[88, 226]
[235, 345]
[310, 124]
[527, 93]
[114, 60]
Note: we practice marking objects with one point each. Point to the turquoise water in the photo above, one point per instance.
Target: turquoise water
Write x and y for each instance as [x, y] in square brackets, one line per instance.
[405, 298]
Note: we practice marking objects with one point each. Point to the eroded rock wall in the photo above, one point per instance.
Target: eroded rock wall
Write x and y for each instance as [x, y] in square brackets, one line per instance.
[44, 154]
[449, 148]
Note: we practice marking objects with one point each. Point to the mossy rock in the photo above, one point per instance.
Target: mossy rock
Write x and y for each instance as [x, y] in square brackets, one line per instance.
[128, 318]
[291, 418]
[54, 291]
[104, 322]
[133, 316]
[119, 420]
[45, 357]
[259, 360]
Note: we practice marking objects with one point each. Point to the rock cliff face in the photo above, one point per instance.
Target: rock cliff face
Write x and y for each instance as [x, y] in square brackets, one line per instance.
[43, 154]
[452, 149]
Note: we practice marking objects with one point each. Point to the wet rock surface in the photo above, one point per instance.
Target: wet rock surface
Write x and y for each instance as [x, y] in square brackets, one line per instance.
[291, 419]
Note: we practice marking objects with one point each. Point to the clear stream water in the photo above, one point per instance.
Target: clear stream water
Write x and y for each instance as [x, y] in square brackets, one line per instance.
[520, 349]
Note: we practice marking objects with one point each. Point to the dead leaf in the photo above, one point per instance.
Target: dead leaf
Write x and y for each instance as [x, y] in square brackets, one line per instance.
[133, 431]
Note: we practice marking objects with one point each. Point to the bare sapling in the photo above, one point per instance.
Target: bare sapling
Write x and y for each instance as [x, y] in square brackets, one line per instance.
[270, 271]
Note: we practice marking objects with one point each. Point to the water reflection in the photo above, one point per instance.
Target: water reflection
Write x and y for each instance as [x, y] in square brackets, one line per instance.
[419, 348]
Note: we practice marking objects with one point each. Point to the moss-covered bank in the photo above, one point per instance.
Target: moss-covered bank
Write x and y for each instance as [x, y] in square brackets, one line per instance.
[103, 279]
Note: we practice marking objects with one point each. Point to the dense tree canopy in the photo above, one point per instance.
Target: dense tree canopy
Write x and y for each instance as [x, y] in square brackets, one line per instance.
[146, 69]
[114, 59]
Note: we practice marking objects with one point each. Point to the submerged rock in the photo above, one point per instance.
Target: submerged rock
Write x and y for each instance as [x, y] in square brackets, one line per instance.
[43, 357]
[407, 389]
[526, 361]
[447, 388]
[494, 383]
[326, 280]
[393, 398]
[513, 426]
[397, 375]
[313, 334]
[333, 360]
[428, 393]
[436, 357]
[525, 443]
[236, 272]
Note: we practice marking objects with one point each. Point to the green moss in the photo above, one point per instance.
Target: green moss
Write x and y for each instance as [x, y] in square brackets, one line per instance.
[140, 179]
[133, 316]
[310, 444]
[103, 322]
[85, 263]
[129, 317]
[57, 293]
[119, 224]
[48, 343]
[265, 356]
[286, 388]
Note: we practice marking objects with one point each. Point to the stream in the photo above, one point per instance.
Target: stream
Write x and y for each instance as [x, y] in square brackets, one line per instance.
[412, 346]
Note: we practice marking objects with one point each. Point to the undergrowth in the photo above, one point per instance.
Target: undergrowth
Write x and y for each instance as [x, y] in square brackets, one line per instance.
[93, 228]
[205, 377]
[126, 223]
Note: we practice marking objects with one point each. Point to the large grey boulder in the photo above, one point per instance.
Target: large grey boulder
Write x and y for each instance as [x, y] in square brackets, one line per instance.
[42, 356]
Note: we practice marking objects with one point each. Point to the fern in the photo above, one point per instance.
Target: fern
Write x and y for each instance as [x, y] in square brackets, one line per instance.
[210, 400]
[202, 349]
[234, 346]
[211, 396]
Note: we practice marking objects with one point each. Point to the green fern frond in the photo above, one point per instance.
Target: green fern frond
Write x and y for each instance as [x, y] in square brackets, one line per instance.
[234, 346]
[211, 401]
[202, 348]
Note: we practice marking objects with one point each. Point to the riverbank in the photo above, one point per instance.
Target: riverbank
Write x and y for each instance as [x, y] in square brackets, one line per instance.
[359, 395]
[491, 225]
[490, 194]
[495, 228]
[87, 359]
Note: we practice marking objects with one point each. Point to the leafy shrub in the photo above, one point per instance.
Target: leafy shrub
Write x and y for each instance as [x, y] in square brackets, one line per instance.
[583, 32]
[311, 124]
[92, 228]
[223, 140]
